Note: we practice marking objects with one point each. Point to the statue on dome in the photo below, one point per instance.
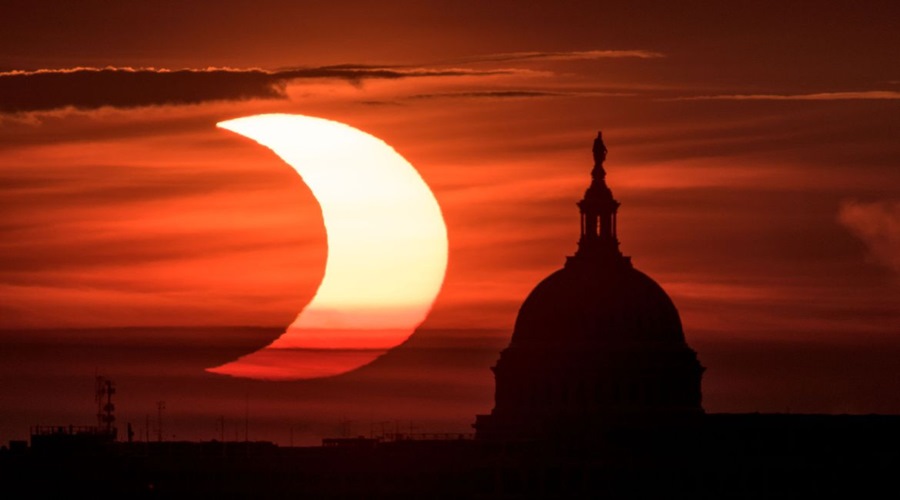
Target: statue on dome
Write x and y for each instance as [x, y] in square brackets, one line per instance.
[599, 150]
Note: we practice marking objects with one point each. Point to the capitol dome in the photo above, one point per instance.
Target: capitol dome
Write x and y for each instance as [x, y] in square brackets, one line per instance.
[597, 345]
[613, 305]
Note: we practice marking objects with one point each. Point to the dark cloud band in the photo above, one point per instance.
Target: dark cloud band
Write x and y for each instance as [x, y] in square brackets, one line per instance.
[91, 88]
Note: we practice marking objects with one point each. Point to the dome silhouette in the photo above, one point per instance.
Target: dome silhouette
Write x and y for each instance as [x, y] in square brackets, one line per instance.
[614, 305]
[597, 345]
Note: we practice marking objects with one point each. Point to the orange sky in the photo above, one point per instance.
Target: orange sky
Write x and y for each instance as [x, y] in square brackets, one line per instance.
[754, 150]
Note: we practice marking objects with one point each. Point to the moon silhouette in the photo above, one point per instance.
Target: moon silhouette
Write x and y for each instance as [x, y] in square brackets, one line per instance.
[387, 249]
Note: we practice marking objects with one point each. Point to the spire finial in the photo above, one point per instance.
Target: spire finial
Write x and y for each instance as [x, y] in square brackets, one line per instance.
[598, 173]
[599, 150]
[598, 240]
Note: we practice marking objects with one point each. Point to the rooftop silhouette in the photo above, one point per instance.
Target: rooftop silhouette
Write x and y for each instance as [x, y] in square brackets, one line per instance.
[596, 345]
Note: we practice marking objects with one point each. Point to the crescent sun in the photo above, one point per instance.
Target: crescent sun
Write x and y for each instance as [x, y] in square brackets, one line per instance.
[387, 249]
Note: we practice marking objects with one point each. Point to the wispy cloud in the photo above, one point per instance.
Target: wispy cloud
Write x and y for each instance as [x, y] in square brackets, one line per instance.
[490, 94]
[508, 94]
[877, 224]
[820, 96]
[581, 55]
[514, 94]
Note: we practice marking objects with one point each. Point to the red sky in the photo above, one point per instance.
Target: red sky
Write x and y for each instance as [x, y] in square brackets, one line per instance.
[753, 146]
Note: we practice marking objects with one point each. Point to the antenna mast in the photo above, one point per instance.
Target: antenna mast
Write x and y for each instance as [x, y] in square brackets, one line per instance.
[105, 388]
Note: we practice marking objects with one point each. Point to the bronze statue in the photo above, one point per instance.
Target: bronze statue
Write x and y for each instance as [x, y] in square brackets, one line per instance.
[599, 150]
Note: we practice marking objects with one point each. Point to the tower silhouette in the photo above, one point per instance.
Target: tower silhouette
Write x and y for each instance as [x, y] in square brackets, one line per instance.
[597, 345]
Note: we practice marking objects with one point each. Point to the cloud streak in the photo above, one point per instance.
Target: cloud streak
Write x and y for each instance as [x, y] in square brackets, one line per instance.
[515, 94]
[820, 96]
[578, 55]
[92, 88]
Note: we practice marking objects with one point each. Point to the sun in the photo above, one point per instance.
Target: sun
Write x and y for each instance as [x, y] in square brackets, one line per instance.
[387, 248]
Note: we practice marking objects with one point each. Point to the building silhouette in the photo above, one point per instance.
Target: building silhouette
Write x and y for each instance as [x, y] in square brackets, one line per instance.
[597, 344]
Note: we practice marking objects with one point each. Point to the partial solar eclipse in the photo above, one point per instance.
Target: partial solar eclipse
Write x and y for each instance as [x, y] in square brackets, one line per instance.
[387, 249]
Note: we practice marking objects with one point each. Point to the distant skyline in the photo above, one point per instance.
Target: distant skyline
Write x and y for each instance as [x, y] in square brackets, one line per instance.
[753, 148]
